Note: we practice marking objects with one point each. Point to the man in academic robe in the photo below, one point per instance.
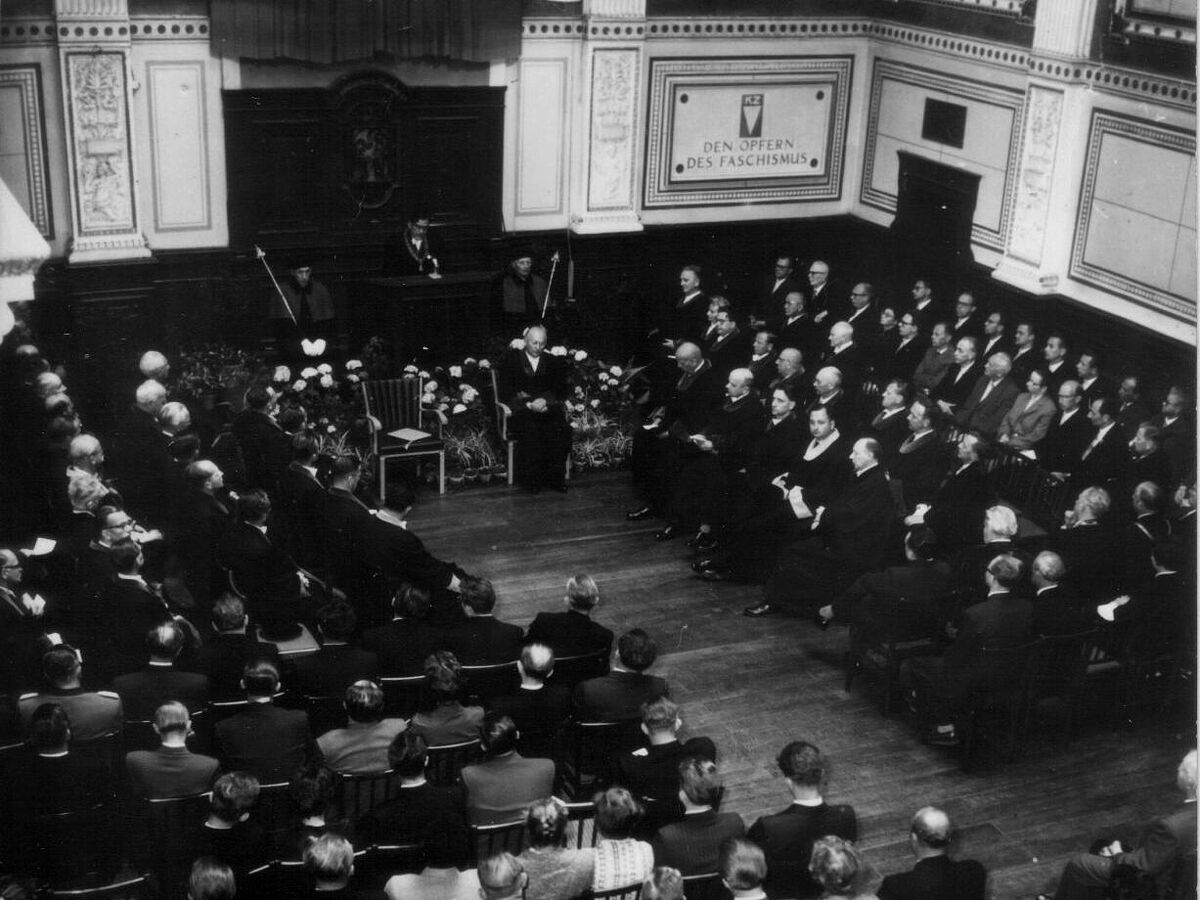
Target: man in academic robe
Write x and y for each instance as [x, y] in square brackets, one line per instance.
[518, 295]
[956, 513]
[415, 255]
[533, 384]
[302, 308]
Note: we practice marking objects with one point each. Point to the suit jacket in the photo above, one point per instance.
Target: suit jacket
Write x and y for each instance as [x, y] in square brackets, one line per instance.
[984, 414]
[734, 429]
[851, 361]
[1093, 557]
[268, 742]
[144, 692]
[169, 772]
[92, 713]
[972, 326]
[937, 878]
[1057, 610]
[956, 514]
[856, 523]
[568, 633]
[402, 645]
[448, 723]
[200, 522]
[222, 658]
[890, 431]
[1002, 620]
[262, 568]
[996, 345]
[130, 609]
[653, 771]
[763, 369]
[729, 351]
[517, 381]
[1101, 387]
[499, 789]
[786, 839]
[539, 715]
[692, 846]
[910, 591]
[1131, 415]
[1179, 443]
[1160, 849]
[800, 333]
[901, 361]
[776, 450]
[955, 388]
[301, 505]
[919, 466]
[1061, 448]
[402, 556]
[769, 305]
[1023, 364]
[484, 640]
[1106, 463]
[346, 520]
[1024, 426]
[333, 668]
[617, 696]
[694, 399]
[360, 747]
[432, 814]
[265, 449]
[686, 319]
[932, 368]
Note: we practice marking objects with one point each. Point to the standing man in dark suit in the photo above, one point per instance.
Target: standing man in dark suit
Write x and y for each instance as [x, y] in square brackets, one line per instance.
[338, 664]
[482, 639]
[847, 356]
[619, 695]
[539, 708]
[686, 319]
[796, 328]
[172, 770]
[1160, 852]
[1058, 367]
[403, 644]
[144, 691]
[731, 344]
[762, 357]
[1025, 357]
[573, 633]
[1177, 431]
[268, 742]
[925, 309]
[863, 316]
[935, 876]
[787, 836]
[534, 384]
[1095, 384]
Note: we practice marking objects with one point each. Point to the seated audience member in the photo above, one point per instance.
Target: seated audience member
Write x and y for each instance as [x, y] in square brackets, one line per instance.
[329, 861]
[1094, 383]
[265, 740]
[1147, 461]
[1090, 546]
[573, 632]
[787, 837]
[743, 869]
[481, 639]
[533, 384]
[1025, 356]
[935, 876]
[664, 883]
[449, 722]
[276, 590]
[1177, 429]
[619, 695]
[129, 606]
[900, 601]
[1131, 411]
[1029, 417]
[789, 374]
[1060, 450]
[338, 664]
[172, 770]
[301, 502]
[842, 541]
[846, 357]
[936, 362]
[432, 814]
[404, 643]
[362, 746]
[211, 879]
[1000, 527]
[56, 777]
[956, 385]
[264, 446]
[1105, 460]
[1058, 366]
[900, 359]
[440, 882]
[652, 772]
[621, 859]
[1149, 527]
[990, 398]
[1056, 610]
[1164, 601]
[692, 845]
[763, 354]
[227, 833]
[1159, 854]
[505, 782]
[957, 510]
[145, 691]
[921, 461]
[502, 877]
[92, 714]
[311, 793]
[554, 870]
[223, 656]
[840, 870]
[890, 425]
[942, 684]
[539, 707]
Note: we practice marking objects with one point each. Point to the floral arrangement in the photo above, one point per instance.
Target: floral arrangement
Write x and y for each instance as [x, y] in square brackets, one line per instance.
[212, 368]
[331, 398]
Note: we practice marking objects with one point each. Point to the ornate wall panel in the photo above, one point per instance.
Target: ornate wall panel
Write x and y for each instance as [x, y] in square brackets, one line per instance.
[613, 129]
[991, 148]
[1139, 180]
[543, 114]
[23, 159]
[179, 145]
[1031, 206]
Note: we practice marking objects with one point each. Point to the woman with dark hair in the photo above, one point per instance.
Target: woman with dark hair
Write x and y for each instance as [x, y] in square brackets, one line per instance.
[840, 870]
[554, 871]
[621, 860]
[449, 722]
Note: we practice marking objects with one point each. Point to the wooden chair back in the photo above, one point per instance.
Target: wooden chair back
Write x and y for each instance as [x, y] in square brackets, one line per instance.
[486, 683]
[358, 794]
[570, 670]
[445, 763]
[403, 695]
[504, 837]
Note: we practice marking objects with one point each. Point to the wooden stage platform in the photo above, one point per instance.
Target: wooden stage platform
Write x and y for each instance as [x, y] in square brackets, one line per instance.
[752, 685]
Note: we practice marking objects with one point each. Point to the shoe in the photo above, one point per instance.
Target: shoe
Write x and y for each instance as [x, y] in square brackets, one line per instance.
[708, 562]
[762, 609]
[705, 543]
[938, 738]
[667, 534]
[636, 515]
[715, 575]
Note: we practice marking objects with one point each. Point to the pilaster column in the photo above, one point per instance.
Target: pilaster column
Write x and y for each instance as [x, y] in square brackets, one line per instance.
[94, 50]
[607, 172]
[1066, 28]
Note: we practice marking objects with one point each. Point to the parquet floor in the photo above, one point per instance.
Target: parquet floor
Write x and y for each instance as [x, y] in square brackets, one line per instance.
[753, 685]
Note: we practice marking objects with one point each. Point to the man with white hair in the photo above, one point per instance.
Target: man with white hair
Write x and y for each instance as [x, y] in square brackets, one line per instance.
[846, 356]
[956, 385]
[1159, 854]
[153, 365]
[533, 384]
[935, 876]
[1055, 608]
[990, 399]
[827, 384]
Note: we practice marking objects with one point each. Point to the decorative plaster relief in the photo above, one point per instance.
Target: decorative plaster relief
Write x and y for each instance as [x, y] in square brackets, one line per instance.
[1031, 206]
[25, 85]
[612, 150]
[100, 137]
[1142, 173]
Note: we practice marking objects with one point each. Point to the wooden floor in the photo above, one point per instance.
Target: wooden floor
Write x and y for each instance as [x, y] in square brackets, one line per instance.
[752, 685]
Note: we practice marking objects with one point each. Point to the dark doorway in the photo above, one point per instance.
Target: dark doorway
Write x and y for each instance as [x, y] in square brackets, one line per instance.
[931, 233]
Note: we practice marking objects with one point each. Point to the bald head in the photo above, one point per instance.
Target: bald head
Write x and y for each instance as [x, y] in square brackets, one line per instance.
[931, 830]
[150, 397]
[8, 558]
[48, 383]
[84, 451]
[841, 333]
[998, 365]
[827, 380]
[688, 356]
[154, 365]
[740, 382]
[1048, 569]
[536, 662]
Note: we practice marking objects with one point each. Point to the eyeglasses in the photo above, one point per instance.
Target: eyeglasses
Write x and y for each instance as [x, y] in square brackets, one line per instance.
[816, 272]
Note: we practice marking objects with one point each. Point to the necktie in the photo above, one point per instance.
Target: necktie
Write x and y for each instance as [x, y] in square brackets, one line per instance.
[987, 389]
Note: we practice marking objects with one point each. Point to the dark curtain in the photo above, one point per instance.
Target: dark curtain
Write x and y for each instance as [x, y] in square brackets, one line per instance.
[335, 31]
